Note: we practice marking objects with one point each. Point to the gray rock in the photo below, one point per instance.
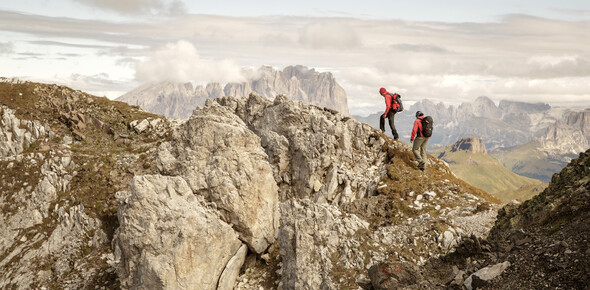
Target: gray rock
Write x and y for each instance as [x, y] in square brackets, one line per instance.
[222, 160]
[168, 239]
[310, 234]
[487, 273]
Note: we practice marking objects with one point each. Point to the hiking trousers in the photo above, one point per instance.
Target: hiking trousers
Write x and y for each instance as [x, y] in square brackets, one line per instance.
[391, 117]
[419, 150]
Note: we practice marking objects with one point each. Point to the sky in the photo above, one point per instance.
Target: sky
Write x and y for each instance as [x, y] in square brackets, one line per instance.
[446, 51]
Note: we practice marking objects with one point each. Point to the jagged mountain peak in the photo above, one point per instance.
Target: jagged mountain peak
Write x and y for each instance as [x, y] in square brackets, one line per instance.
[298, 82]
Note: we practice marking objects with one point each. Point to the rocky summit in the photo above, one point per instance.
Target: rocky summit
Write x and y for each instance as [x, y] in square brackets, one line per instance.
[471, 144]
[248, 193]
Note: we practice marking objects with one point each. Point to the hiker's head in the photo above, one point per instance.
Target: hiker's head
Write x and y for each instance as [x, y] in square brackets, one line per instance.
[382, 91]
[418, 114]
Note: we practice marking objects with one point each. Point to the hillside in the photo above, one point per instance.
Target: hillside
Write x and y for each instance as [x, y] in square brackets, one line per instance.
[248, 192]
[63, 155]
[469, 160]
[539, 244]
[528, 160]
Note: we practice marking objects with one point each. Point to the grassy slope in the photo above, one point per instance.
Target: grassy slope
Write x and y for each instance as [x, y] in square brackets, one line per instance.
[528, 161]
[483, 171]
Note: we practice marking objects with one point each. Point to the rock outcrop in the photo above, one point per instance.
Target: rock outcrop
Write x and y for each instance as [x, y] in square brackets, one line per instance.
[470, 144]
[57, 180]
[568, 137]
[222, 160]
[257, 162]
[169, 238]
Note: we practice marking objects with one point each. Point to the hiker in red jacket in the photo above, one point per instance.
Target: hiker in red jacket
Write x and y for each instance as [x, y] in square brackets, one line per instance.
[391, 107]
[419, 147]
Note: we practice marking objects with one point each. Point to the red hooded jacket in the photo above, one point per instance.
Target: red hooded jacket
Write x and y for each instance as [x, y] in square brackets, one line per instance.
[417, 130]
[389, 103]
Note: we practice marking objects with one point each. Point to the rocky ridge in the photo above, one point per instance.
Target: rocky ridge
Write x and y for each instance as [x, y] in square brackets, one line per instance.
[275, 193]
[326, 189]
[64, 153]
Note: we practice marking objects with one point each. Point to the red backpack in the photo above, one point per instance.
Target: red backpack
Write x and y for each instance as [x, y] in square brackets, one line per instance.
[397, 99]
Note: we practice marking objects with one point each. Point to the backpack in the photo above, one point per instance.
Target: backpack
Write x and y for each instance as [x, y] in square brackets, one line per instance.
[427, 124]
[397, 99]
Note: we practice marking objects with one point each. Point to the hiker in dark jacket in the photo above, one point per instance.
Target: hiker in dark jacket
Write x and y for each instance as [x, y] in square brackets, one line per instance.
[390, 110]
[420, 142]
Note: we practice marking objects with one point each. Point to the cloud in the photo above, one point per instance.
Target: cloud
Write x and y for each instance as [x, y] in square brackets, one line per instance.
[6, 47]
[329, 34]
[158, 7]
[426, 48]
[180, 61]
[519, 57]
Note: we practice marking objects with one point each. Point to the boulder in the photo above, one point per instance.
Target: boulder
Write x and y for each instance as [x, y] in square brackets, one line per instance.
[169, 238]
[222, 160]
[486, 274]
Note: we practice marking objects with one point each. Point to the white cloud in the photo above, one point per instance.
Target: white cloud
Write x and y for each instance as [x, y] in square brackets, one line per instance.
[520, 57]
[180, 61]
[161, 7]
[6, 47]
[336, 34]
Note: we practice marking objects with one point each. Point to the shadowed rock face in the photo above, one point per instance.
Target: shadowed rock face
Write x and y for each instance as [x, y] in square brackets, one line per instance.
[471, 144]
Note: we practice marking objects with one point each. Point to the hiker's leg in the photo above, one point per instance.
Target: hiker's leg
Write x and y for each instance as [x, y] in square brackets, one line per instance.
[417, 149]
[391, 117]
[381, 123]
[423, 150]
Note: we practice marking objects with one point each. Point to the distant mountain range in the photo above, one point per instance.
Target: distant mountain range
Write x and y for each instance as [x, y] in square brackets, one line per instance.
[532, 139]
[298, 83]
[508, 124]
[469, 160]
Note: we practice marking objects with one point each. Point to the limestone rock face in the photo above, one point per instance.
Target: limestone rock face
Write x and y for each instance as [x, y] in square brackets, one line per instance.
[570, 136]
[16, 135]
[309, 234]
[170, 99]
[298, 82]
[178, 100]
[314, 153]
[169, 238]
[222, 160]
[471, 144]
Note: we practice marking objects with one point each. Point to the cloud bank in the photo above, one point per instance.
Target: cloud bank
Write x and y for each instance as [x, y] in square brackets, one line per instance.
[162, 7]
[181, 62]
[520, 57]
